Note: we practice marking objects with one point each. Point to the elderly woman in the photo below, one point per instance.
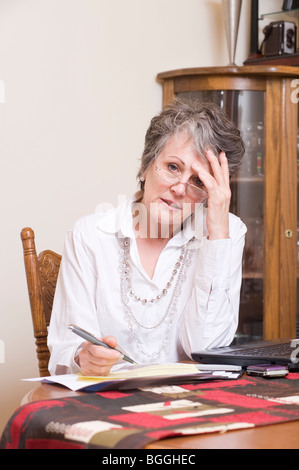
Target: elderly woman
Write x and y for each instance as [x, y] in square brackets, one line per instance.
[160, 275]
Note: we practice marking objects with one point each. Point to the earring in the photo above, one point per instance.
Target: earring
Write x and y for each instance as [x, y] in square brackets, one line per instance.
[142, 179]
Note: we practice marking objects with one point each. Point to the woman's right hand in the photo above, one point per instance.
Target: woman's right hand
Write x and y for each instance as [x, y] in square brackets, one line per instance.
[98, 360]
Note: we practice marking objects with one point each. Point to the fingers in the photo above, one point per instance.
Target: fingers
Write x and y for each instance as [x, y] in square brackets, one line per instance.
[110, 340]
[218, 175]
[219, 166]
[224, 167]
[98, 360]
[215, 177]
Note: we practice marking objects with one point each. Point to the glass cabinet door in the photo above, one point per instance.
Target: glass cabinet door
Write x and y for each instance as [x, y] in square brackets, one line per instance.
[247, 110]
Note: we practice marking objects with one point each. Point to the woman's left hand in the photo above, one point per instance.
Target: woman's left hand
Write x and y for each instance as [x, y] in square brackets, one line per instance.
[219, 194]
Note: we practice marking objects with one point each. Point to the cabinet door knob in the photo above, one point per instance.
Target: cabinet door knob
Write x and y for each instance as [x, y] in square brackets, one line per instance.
[288, 233]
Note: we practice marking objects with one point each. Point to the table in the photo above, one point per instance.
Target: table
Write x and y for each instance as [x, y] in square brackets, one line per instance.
[276, 436]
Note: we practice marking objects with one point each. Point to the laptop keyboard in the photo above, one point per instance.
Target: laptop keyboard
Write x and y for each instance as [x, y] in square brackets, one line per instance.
[263, 351]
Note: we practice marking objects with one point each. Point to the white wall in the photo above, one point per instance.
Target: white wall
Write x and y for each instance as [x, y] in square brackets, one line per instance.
[80, 89]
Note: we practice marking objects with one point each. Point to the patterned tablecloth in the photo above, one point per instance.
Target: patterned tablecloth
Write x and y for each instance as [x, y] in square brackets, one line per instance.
[132, 419]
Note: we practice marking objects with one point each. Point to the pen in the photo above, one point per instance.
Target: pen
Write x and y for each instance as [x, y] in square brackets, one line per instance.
[92, 339]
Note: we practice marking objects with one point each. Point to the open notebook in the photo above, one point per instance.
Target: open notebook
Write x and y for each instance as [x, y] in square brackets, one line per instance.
[143, 376]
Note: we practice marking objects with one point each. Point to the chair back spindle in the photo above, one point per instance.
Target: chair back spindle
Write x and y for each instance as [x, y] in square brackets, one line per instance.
[41, 274]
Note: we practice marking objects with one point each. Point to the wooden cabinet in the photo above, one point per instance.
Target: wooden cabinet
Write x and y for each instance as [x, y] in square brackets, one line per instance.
[262, 100]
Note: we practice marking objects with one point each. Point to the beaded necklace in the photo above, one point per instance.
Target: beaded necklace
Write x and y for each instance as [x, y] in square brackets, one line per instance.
[127, 294]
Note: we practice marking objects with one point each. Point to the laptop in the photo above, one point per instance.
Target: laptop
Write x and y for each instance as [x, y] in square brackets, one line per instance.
[280, 352]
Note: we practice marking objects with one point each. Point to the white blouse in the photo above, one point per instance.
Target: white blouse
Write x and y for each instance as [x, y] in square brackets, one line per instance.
[199, 310]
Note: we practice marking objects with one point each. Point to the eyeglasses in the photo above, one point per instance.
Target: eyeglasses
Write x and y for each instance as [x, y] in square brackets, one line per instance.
[191, 189]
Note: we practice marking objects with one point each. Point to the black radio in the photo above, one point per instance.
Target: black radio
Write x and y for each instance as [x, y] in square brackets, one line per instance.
[280, 38]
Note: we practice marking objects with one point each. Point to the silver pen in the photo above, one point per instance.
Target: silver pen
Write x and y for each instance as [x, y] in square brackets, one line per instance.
[93, 340]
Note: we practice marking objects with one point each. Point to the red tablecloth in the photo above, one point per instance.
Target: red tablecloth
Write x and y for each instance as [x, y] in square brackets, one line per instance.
[133, 419]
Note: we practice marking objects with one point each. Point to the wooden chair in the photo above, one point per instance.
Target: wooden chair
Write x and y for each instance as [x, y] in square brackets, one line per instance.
[41, 273]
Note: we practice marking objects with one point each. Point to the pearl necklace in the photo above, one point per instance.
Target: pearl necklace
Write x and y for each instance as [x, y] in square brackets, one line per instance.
[126, 291]
[164, 291]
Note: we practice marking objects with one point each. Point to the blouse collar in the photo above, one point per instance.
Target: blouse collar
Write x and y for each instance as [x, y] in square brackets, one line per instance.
[119, 221]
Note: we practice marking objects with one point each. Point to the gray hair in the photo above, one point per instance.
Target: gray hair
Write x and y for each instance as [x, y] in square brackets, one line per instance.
[205, 123]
